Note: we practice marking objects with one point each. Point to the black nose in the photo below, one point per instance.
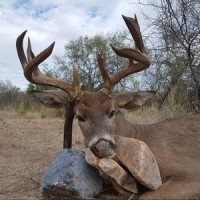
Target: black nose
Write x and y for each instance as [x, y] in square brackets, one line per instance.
[103, 148]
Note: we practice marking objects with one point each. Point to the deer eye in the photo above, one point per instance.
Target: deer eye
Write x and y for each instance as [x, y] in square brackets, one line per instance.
[81, 118]
[112, 113]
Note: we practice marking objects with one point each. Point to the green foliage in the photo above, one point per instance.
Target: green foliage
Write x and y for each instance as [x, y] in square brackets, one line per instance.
[51, 72]
[30, 87]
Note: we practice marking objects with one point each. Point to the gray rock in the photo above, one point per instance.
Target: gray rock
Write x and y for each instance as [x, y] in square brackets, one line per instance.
[70, 176]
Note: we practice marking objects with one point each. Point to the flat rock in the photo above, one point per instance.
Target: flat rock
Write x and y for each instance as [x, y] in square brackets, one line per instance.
[137, 157]
[69, 175]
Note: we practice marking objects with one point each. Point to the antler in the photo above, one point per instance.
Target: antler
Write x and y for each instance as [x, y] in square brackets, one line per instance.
[138, 59]
[34, 75]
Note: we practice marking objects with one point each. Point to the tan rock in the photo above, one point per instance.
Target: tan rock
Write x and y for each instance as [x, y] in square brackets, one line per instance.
[136, 156]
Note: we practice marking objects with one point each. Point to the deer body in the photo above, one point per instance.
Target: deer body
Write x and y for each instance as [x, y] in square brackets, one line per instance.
[175, 143]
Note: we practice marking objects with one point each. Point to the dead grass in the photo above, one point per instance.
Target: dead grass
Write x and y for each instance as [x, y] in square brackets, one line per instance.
[151, 114]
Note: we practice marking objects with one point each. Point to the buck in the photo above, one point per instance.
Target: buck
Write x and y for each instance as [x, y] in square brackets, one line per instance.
[175, 143]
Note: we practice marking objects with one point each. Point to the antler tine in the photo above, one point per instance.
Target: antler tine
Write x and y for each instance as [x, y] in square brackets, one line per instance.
[31, 70]
[30, 54]
[134, 28]
[141, 55]
[102, 68]
[75, 82]
[20, 49]
[138, 59]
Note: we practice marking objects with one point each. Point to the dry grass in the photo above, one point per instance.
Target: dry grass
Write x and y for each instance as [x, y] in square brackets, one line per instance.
[151, 114]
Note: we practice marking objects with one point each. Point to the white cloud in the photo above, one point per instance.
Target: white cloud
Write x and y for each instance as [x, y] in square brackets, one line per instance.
[48, 21]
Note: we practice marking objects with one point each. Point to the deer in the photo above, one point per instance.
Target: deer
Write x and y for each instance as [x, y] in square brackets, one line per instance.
[174, 142]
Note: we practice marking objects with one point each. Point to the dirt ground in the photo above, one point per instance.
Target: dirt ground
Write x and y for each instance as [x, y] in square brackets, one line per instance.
[27, 146]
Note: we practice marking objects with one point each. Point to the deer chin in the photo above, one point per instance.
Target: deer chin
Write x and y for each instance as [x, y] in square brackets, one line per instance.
[103, 147]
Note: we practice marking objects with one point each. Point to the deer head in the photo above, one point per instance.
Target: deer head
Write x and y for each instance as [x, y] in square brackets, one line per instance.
[96, 111]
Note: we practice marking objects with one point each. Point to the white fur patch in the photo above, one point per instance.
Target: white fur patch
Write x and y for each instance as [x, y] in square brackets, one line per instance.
[102, 136]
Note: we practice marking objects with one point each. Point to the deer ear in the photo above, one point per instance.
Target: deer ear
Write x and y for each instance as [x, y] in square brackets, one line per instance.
[132, 100]
[52, 98]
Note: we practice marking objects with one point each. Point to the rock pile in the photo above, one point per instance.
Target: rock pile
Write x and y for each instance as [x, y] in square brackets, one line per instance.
[133, 163]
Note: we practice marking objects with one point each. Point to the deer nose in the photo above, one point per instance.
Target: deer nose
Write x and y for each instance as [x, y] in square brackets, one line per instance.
[103, 148]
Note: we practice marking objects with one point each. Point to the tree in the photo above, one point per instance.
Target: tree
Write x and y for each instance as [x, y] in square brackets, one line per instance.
[175, 50]
[9, 94]
[82, 53]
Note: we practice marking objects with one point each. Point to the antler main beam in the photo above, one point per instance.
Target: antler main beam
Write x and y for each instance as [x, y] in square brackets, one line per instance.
[35, 76]
[138, 59]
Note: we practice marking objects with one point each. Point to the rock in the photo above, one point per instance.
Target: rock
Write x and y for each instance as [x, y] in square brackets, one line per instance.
[70, 176]
[133, 163]
[110, 170]
[136, 156]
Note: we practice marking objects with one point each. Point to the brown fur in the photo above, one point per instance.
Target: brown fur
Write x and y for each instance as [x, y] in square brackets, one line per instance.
[176, 145]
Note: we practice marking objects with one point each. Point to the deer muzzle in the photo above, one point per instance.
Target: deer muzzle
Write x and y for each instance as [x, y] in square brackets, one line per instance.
[103, 148]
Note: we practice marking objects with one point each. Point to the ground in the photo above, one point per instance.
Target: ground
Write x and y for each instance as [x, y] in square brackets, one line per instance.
[27, 146]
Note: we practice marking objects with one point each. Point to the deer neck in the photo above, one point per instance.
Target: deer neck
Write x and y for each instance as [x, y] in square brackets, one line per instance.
[128, 129]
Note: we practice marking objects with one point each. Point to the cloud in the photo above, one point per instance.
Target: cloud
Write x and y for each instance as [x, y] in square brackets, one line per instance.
[48, 21]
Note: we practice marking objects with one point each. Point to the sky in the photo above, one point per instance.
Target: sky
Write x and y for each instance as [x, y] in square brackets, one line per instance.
[59, 21]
